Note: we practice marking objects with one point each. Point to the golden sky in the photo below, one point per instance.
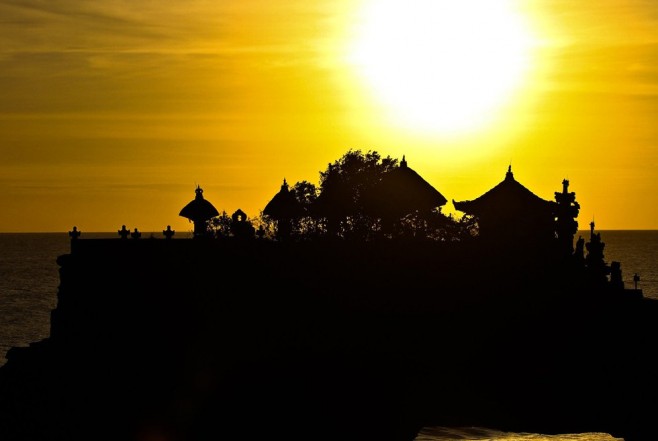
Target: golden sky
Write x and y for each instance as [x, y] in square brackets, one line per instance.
[112, 112]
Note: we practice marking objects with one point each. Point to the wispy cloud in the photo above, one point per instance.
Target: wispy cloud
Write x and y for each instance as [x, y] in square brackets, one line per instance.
[105, 26]
[168, 56]
[621, 69]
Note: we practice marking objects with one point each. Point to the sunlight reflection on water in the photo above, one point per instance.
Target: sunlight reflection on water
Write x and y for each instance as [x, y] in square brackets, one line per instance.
[482, 434]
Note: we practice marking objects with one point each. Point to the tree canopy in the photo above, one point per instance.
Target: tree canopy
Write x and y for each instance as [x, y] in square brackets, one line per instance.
[353, 199]
[360, 196]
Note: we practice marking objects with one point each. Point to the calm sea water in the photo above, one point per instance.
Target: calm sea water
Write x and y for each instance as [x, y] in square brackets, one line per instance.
[29, 279]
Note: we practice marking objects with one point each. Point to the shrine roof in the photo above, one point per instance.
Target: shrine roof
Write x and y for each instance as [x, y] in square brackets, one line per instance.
[403, 191]
[199, 209]
[509, 195]
[283, 205]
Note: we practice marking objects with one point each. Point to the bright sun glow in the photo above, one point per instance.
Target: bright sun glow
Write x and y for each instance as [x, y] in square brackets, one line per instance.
[442, 66]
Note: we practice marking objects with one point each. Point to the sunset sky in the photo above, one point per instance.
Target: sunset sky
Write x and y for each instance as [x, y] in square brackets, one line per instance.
[112, 112]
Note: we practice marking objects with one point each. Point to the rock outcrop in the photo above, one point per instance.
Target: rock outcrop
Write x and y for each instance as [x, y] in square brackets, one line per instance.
[208, 339]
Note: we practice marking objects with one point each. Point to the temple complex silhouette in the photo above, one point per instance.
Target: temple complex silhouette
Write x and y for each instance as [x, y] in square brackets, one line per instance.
[507, 219]
[355, 310]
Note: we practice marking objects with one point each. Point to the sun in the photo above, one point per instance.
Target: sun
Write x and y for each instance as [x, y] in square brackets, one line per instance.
[442, 66]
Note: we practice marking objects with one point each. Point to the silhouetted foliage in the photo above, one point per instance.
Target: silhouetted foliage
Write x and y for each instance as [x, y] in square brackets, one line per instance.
[362, 196]
[343, 188]
[306, 194]
[237, 225]
[265, 226]
[467, 227]
[307, 226]
[220, 226]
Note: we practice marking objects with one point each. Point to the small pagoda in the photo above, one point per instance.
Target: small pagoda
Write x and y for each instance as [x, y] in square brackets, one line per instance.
[199, 211]
[284, 208]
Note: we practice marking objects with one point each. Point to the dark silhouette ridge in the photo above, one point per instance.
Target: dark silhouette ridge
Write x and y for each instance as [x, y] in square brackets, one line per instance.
[331, 334]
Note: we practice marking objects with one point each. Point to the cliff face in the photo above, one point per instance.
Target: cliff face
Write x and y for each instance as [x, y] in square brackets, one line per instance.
[194, 339]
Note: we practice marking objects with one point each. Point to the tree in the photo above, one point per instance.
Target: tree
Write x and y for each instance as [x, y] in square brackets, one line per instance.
[306, 194]
[220, 226]
[343, 185]
[364, 196]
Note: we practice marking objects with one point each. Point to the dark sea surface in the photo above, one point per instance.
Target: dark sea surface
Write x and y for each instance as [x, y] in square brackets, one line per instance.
[29, 279]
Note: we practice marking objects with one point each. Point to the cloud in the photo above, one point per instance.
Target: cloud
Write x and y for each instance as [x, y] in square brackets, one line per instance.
[154, 57]
[165, 26]
[618, 69]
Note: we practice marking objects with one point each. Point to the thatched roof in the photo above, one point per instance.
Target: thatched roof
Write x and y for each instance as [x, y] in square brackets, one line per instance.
[403, 191]
[507, 198]
[283, 205]
[199, 209]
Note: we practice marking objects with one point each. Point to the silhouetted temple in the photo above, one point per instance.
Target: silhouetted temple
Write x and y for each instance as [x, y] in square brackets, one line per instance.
[509, 211]
[241, 228]
[199, 211]
[283, 208]
[566, 225]
[403, 191]
[351, 340]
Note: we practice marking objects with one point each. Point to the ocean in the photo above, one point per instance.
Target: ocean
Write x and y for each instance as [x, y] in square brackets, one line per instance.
[29, 279]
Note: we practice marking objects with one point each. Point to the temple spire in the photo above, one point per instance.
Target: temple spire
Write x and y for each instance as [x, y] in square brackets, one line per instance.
[509, 174]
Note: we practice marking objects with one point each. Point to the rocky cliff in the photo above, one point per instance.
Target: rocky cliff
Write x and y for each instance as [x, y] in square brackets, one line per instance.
[209, 339]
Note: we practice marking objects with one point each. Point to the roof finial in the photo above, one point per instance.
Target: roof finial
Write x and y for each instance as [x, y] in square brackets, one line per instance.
[509, 174]
[403, 163]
